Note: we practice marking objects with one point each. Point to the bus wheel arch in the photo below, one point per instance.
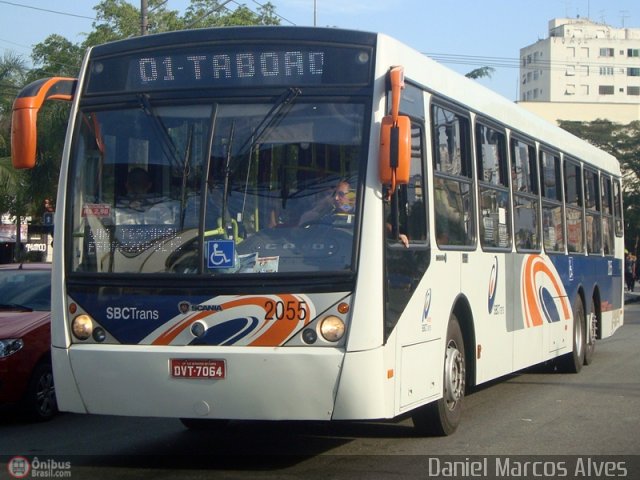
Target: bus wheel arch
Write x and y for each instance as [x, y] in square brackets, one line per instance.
[442, 417]
[462, 312]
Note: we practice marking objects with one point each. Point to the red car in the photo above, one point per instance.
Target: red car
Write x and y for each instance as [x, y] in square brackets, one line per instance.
[26, 378]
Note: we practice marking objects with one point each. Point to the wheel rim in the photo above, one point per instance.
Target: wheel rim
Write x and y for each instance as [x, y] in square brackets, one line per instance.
[454, 373]
[46, 395]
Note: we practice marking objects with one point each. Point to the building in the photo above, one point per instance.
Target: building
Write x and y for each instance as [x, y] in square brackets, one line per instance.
[36, 240]
[583, 71]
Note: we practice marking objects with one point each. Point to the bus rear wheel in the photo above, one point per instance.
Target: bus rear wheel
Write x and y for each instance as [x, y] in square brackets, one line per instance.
[442, 417]
[591, 334]
[572, 362]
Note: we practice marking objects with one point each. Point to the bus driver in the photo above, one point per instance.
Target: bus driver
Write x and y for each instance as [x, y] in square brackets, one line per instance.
[342, 201]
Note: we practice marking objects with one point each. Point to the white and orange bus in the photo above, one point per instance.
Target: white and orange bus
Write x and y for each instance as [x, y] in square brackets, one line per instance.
[313, 224]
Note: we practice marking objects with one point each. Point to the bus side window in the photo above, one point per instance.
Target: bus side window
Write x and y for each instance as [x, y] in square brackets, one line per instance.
[453, 192]
[573, 206]
[406, 259]
[607, 215]
[524, 184]
[592, 207]
[405, 214]
[617, 208]
[552, 214]
[495, 205]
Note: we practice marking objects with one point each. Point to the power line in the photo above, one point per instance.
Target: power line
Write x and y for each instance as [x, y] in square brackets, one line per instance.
[510, 62]
[67, 14]
[14, 43]
[276, 14]
[206, 14]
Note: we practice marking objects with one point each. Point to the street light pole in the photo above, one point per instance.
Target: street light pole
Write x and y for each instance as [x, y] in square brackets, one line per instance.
[314, 13]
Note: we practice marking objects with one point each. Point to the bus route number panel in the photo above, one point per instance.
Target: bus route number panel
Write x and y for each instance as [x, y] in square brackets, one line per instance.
[197, 368]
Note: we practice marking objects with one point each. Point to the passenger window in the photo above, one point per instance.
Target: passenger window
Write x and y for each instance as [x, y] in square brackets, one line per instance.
[608, 234]
[617, 208]
[453, 192]
[405, 214]
[523, 167]
[552, 214]
[451, 143]
[526, 205]
[592, 206]
[495, 209]
[573, 195]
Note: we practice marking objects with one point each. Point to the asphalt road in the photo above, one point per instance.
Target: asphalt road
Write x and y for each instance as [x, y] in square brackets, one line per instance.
[564, 426]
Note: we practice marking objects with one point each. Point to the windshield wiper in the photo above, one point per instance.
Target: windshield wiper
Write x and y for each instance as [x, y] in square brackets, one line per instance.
[274, 114]
[160, 127]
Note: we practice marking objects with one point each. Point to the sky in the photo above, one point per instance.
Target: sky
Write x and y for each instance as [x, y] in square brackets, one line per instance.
[461, 34]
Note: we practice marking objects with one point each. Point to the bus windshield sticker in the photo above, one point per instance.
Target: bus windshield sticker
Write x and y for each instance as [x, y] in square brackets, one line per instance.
[220, 254]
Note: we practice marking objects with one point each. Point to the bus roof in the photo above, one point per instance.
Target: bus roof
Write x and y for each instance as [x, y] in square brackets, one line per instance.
[468, 93]
[420, 69]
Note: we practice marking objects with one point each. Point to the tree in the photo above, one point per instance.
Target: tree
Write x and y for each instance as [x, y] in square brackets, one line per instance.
[214, 13]
[480, 73]
[12, 74]
[56, 57]
[23, 193]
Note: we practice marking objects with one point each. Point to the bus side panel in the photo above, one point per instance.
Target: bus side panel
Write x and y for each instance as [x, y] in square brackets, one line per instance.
[595, 274]
[485, 283]
[421, 379]
[542, 315]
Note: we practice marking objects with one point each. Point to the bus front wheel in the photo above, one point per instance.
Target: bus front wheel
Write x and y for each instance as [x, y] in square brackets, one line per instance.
[442, 417]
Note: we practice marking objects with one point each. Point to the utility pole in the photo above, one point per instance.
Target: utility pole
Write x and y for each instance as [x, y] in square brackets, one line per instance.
[314, 13]
[144, 25]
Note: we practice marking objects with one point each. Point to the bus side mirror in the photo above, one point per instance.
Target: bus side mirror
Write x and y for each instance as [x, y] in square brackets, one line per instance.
[24, 130]
[395, 151]
[24, 135]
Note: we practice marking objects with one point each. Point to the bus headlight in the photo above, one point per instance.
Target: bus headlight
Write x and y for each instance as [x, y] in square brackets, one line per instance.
[332, 328]
[82, 327]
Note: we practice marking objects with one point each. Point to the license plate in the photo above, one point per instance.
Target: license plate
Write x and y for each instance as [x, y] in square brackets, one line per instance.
[197, 368]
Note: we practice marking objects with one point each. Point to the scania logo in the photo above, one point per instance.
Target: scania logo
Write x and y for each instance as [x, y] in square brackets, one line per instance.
[185, 307]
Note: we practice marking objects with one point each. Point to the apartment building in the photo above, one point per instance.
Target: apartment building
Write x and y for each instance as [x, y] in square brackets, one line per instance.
[583, 71]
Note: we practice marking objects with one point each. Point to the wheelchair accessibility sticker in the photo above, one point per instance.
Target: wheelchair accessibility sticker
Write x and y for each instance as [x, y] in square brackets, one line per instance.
[220, 253]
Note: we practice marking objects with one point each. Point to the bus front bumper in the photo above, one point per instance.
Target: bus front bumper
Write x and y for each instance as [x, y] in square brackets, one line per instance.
[261, 383]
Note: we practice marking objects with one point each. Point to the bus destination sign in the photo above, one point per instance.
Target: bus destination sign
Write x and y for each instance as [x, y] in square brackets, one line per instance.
[231, 66]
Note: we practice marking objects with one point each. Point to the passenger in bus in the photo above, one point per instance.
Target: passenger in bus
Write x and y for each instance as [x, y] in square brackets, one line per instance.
[342, 201]
[402, 238]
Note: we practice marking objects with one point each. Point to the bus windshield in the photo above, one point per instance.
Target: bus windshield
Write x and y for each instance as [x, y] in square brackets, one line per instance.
[216, 188]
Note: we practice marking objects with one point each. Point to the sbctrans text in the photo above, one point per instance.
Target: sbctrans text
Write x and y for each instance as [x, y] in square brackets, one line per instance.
[131, 313]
